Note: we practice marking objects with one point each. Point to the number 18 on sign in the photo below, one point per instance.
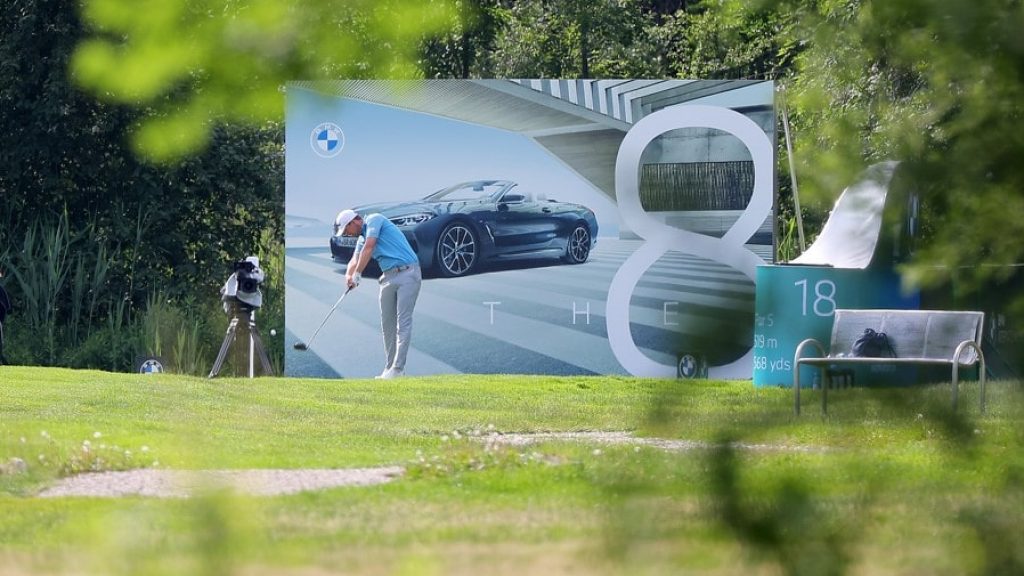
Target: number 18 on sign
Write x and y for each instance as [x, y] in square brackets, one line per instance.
[798, 302]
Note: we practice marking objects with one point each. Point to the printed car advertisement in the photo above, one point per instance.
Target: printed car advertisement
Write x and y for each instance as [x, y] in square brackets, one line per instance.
[564, 227]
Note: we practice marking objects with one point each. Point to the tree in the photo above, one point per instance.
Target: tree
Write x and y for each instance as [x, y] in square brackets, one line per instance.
[576, 39]
[938, 85]
[711, 40]
[87, 230]
[467, 39]
[199, 63]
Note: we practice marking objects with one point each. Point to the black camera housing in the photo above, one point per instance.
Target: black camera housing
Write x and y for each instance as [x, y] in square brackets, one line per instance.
[244, 272]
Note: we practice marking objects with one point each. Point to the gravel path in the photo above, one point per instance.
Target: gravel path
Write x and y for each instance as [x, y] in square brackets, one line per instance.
[629, 439]
[183, 483]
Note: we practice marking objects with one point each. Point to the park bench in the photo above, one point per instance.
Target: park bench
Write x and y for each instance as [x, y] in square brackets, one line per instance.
[930, 337]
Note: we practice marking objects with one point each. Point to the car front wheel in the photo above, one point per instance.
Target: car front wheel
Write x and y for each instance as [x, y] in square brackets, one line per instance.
[577, 250]
[457, 250]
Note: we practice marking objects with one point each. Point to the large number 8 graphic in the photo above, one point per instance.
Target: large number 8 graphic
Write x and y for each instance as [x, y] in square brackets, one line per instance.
[660, 237]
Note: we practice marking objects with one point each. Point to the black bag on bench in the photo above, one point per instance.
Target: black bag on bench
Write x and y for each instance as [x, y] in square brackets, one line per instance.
[872, 344]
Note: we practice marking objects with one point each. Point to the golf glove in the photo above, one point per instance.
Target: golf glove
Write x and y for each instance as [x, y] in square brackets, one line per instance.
[356, 278]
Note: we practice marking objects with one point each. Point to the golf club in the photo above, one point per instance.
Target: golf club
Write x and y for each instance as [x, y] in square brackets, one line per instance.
[305, 345]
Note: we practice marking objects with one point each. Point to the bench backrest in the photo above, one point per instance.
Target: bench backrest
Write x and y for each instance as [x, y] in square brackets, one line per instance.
[932, 334]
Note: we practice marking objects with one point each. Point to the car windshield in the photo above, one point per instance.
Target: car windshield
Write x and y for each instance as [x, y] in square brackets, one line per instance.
[469, 191]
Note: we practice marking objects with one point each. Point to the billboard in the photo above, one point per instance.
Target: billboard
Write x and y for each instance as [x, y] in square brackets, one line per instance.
[615, 226]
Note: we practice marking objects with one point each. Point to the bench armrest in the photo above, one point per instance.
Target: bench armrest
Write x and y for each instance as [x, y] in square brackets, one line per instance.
[809, 342]
[980, 360]
[964, 346]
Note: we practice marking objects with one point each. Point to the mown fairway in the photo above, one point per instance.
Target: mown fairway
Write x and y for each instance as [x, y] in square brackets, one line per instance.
[890, 482]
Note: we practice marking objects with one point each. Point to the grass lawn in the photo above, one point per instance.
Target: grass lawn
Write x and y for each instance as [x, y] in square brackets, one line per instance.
[891, 482]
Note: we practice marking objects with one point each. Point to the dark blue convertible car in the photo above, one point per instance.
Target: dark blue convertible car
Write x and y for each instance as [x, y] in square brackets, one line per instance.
[458, 230]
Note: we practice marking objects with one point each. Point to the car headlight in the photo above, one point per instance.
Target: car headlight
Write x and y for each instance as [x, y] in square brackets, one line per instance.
[411, 219]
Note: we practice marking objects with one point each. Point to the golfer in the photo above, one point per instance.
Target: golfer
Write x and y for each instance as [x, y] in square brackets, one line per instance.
[399, 284]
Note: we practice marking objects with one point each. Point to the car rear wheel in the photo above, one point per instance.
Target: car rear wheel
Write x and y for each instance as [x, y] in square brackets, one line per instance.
[577, 249]
[457, 250]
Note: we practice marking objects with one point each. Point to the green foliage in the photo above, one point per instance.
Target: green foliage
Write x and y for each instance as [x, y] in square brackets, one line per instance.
[574, 39]
[723, 40]
[936, 85]
[636, 39]
[111, 346]
[198, 63]
[87, 231]
[464, 42]
[60, 277]
[177, 332]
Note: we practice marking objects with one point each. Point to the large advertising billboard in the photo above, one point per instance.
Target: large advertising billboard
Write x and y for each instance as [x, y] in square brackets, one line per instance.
[563, 227]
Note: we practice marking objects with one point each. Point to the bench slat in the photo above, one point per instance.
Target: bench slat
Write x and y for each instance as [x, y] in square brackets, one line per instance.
[923, 334]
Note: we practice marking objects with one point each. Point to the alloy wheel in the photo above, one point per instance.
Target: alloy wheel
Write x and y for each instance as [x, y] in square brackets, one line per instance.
[579, 245]
[457, 250]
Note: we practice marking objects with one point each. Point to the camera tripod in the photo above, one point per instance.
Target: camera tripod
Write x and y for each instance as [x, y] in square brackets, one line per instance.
[240, 312]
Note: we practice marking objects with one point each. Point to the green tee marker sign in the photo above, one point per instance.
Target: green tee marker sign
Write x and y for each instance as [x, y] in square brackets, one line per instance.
[798, 302]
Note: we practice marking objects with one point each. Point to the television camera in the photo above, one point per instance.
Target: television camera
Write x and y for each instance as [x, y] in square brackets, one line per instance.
[243, 286]
[242, 297]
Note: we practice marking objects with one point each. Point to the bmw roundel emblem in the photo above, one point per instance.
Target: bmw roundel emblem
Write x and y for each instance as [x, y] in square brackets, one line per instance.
[688, 366]
[151, 366]
[327, 140]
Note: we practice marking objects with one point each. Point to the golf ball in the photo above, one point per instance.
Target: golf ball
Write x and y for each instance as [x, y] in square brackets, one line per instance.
[273, 332]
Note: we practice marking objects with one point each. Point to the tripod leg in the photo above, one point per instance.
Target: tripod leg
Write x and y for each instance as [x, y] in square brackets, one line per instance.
[229, 337]
[261, 352]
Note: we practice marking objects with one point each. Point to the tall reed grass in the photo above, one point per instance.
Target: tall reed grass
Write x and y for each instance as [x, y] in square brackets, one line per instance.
[176, 332]
[40, 270]
[76, 304]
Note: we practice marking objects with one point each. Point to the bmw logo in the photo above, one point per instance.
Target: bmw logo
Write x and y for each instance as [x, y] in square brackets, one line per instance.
[151, 366]
[327, 140]
[688, 366]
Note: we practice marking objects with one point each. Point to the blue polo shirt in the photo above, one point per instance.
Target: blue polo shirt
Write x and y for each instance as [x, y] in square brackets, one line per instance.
[392, 248]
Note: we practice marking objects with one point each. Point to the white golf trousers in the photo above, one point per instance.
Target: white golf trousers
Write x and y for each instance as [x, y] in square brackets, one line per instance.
[398, 293]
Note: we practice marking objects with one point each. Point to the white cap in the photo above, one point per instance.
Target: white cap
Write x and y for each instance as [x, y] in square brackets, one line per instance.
[344, 217]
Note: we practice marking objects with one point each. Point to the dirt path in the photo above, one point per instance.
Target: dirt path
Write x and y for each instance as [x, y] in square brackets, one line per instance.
[183, 483]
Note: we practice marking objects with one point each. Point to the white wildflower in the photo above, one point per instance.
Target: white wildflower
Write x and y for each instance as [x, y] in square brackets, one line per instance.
[596, 452]
[97, 435]
[145, 449]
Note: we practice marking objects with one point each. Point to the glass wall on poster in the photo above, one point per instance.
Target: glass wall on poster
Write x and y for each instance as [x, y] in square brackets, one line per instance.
[670, 184]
